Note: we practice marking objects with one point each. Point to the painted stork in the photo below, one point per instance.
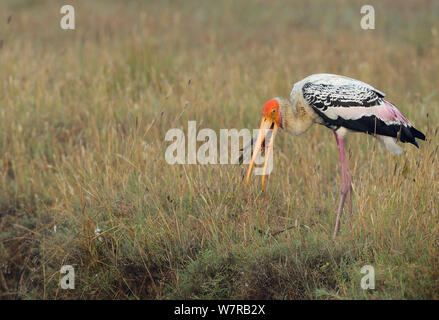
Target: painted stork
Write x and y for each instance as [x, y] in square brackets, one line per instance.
[342, 104]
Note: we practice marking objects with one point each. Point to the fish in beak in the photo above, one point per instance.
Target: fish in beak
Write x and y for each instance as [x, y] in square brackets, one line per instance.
[266, 135]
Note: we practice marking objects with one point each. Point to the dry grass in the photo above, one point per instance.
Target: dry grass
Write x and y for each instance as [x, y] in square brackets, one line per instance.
[83, 119]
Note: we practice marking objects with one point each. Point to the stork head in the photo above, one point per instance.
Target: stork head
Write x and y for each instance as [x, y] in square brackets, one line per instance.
[270, 111]
[271, 121]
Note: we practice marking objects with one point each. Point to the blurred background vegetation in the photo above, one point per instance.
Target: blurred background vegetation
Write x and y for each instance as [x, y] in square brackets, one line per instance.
[84, 113]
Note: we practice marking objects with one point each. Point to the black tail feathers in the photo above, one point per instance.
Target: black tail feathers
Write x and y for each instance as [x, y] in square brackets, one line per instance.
[417, 134]
[408, 134]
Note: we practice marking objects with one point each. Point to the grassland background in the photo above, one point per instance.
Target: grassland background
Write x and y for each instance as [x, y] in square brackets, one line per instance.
[83, 116]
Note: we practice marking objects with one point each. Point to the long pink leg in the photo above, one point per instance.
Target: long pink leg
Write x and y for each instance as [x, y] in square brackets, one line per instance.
[346, 185]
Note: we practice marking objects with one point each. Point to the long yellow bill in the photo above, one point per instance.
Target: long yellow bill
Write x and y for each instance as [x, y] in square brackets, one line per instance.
[266, 125]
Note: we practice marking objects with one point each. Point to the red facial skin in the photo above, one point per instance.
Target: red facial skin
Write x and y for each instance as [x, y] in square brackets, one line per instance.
[270, 110]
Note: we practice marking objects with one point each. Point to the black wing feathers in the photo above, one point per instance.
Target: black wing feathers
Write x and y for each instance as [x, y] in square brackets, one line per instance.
[324, 96]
